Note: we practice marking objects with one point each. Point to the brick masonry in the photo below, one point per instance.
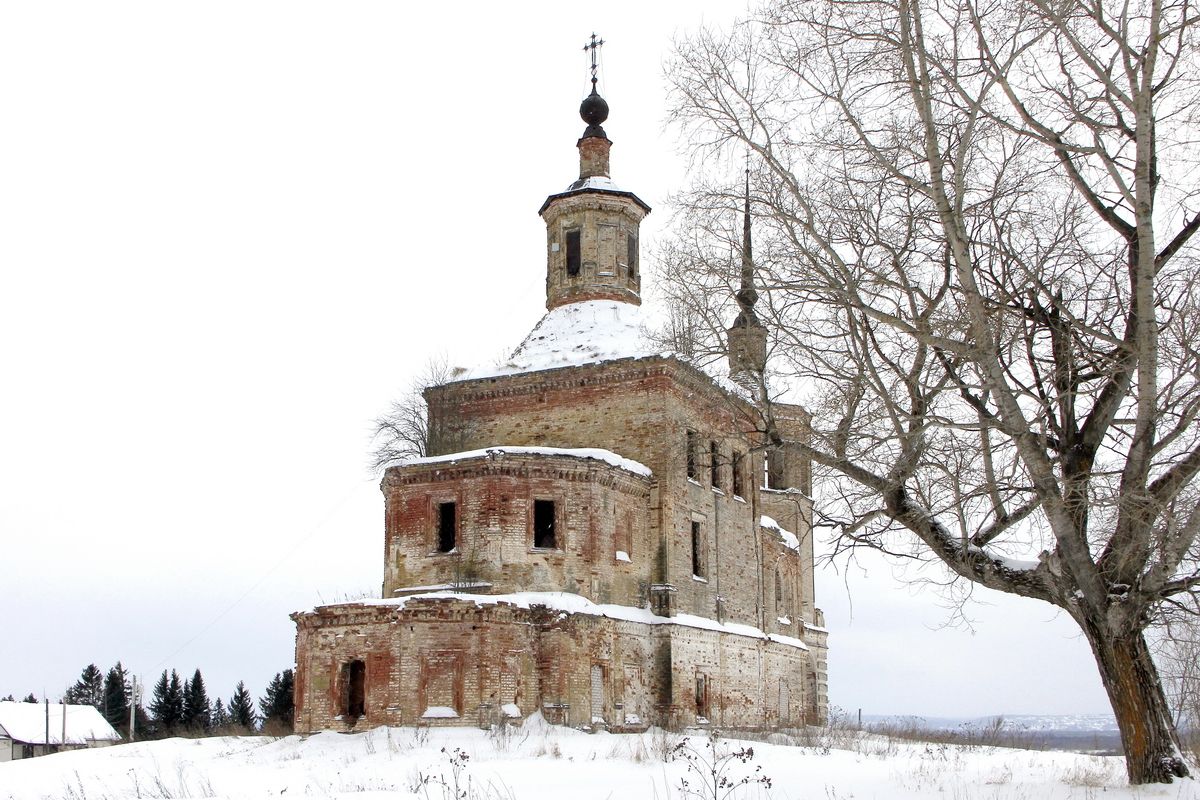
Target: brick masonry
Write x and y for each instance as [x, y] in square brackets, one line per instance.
[576, 669]
[736, 640]
[446, 652]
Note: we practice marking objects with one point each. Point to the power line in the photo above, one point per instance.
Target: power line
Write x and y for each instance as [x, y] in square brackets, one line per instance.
[263, 576]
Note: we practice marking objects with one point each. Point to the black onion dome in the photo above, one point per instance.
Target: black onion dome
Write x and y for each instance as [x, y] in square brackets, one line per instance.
[594, 111]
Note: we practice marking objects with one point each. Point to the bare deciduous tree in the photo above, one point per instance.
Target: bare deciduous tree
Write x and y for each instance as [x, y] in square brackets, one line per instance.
[978, 264]
[1178, 657]
[403, 432]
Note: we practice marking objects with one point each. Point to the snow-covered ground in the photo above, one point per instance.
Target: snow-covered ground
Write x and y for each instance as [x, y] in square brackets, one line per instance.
[540, 762]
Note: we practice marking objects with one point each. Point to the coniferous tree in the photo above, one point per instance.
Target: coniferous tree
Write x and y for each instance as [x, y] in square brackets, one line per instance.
[88, 690]
[166, 706]
[176, 697]
[277, 705]
[144, 729]
[30, 698]
[196, 708]
[9, 698]
[116, 699]
[159, 704]
[241, 708]
[219, 720]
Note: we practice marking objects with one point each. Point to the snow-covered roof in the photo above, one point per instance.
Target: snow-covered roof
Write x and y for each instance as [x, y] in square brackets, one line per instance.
[595, 331]
[790, 539]
[578, 333]
[595, 453]
[601, 182]
[26, 723]
[577, 604]
[595, 183]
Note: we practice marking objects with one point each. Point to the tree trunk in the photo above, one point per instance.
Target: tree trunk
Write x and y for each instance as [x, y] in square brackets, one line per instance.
[1152, 751]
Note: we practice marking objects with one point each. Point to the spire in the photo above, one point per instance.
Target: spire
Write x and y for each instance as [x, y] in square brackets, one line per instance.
[747, 335]
[747, 295]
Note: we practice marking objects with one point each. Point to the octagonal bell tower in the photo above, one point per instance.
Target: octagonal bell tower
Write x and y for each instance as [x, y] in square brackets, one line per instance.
[592, 242]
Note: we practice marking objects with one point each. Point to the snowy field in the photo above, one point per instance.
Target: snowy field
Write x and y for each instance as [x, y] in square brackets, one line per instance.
[540, 762]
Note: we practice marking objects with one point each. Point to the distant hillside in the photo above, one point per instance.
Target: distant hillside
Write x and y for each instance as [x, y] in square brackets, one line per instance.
[1058, 723]
[1086, 733]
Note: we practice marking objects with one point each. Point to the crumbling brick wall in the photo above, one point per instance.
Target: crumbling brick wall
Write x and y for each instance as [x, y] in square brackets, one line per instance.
[577, 669]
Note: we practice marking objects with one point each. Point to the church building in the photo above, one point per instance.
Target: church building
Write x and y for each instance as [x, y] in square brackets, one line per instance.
[590, 537]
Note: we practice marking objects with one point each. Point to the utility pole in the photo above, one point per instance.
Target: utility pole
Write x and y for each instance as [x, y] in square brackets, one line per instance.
[134, 692]
[46, 699]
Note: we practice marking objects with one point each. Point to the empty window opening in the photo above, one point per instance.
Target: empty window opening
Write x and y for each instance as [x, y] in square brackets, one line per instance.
[775, 467]
[447, 531]
[739, 487]
[623, 537]
[631, 253]
[697, 551]
[544, 534]
[354, 677]
[691, 454]
[701, 695]
[574, 257]
[714, 462]
[779, 605]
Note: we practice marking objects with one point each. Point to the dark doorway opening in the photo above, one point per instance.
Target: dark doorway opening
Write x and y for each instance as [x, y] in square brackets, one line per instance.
[355, 676]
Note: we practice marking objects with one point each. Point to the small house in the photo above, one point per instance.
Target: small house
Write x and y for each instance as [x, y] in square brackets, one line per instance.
[35, 729]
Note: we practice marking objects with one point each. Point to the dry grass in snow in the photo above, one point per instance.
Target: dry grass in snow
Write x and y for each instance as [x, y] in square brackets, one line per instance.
[541, 762]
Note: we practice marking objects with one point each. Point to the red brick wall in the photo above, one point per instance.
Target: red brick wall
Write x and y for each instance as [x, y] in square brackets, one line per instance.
[476, 659]
[596, 504]
[640, 409]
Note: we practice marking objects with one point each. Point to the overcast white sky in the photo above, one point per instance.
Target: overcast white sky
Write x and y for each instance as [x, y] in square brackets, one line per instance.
[231, 232]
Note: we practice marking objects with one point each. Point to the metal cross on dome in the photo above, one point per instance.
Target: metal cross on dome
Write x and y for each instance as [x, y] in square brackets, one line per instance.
[594, 46]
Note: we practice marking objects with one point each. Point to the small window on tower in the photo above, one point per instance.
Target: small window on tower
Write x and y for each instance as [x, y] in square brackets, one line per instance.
[631, 253]
[574, 257]
[544, 533]
[447, 530]
[698, 569]
[739, 477]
